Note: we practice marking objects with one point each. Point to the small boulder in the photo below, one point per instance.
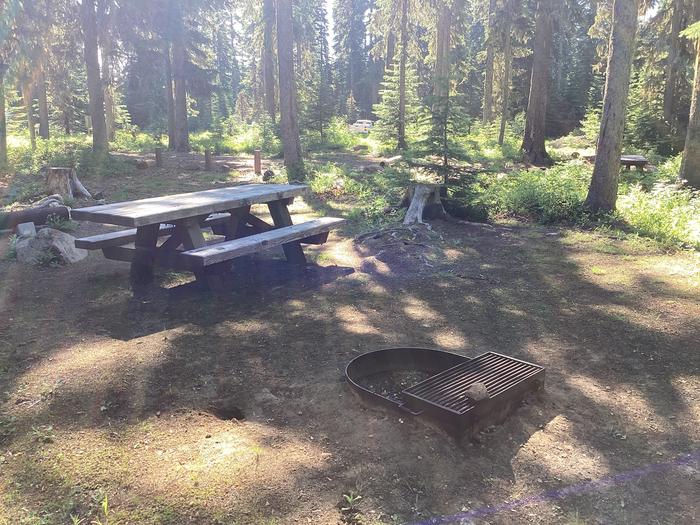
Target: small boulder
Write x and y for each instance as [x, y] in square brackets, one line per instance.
[26, 230]
[60, 245]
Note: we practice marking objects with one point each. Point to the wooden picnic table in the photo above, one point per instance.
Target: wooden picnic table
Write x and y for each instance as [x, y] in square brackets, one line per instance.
[638, 161]
[168, 231]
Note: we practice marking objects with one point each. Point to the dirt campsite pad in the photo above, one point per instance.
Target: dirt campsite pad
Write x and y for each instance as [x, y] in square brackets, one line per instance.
[177, 406]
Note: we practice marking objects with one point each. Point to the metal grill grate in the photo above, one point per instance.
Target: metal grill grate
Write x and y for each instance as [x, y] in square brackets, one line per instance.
[503, 376]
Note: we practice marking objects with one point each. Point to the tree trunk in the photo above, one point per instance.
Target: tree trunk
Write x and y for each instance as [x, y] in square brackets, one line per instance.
[43, 106]
[403, 58]
[28, 99]
[672, 66]
[108, 86]
[602, 194]
[268, 62]
[94, 81]
[690, 169]
[533, 143]
[488, 67]
[169, 97]
[3, 118]
[507, 67]
[289, 125]
[182, 138]
[441, 79]
[390, 50]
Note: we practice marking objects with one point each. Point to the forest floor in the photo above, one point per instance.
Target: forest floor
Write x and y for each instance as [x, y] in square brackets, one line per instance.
[185, 407]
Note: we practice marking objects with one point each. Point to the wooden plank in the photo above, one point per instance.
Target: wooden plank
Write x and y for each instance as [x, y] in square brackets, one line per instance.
[280, 216]
[120, 238]
[225, 251]
[171, 208]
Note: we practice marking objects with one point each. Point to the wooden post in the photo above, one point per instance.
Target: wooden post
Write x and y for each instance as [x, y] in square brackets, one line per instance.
[159, 157]
[257, 161]
[208, 160]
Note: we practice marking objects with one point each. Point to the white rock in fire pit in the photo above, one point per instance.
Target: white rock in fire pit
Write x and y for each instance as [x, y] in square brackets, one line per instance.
[477, 392]
[32, 249]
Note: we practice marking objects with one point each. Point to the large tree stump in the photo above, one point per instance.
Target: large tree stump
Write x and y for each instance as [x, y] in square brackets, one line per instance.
[65, 182]
[425, 203]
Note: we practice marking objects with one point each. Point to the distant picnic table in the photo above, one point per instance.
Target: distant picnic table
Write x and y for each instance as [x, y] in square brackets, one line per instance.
[168, 231]
[638, 161]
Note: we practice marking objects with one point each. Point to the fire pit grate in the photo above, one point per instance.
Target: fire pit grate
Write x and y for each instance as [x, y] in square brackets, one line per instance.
[446, 396]
[460, 394]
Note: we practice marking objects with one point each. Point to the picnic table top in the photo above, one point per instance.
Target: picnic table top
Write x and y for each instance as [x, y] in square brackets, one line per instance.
[633, 158]
[169, 208]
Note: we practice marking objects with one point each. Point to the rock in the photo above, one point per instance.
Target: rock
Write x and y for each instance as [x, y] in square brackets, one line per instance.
[265, 396]
[477, 392]
[26, 230]
[60, 245]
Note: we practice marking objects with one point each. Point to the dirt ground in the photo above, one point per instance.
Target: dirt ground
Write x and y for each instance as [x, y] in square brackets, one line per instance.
[187, 407]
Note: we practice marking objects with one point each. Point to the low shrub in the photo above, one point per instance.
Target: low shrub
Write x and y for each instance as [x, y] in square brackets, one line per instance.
[553, 195]
[668, 214]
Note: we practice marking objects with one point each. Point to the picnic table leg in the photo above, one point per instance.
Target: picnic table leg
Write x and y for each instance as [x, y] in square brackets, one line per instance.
[281, 218]
[190, 232]
[145, 247]
[232, 225]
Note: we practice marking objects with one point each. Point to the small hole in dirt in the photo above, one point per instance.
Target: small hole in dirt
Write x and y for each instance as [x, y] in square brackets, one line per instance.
[228, 413]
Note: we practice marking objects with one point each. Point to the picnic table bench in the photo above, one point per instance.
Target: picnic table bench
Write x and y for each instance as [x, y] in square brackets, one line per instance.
[169, 231]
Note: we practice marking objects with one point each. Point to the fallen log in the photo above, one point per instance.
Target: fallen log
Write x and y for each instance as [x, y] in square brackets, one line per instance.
[9, 220]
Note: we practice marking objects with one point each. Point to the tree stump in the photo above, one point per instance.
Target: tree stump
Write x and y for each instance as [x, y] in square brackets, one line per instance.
[58, 182]
[425, 203]
[65, 182]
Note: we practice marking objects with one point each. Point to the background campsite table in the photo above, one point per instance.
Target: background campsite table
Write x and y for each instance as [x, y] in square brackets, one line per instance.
[181, 218]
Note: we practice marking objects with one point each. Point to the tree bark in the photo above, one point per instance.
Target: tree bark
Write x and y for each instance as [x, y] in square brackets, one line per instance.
[690, 168]
[108, 86]
[169, 96]
[289, 124]
[3, 118]
[28, 99]
[43, 106]
[672, 66]
[441, 79]
[268, 62]
[179, 46]
[488, 67]
[533, 143]
[390, 50]
[507, 67]
[602, 194]
[403, 59]
[94, 82]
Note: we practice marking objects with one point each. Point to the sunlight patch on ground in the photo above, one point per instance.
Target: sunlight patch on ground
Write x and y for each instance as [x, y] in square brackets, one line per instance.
[552, 454]
[452, 340]
[184, 460]
[634, 405]
[354, 321]
[420, 310]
